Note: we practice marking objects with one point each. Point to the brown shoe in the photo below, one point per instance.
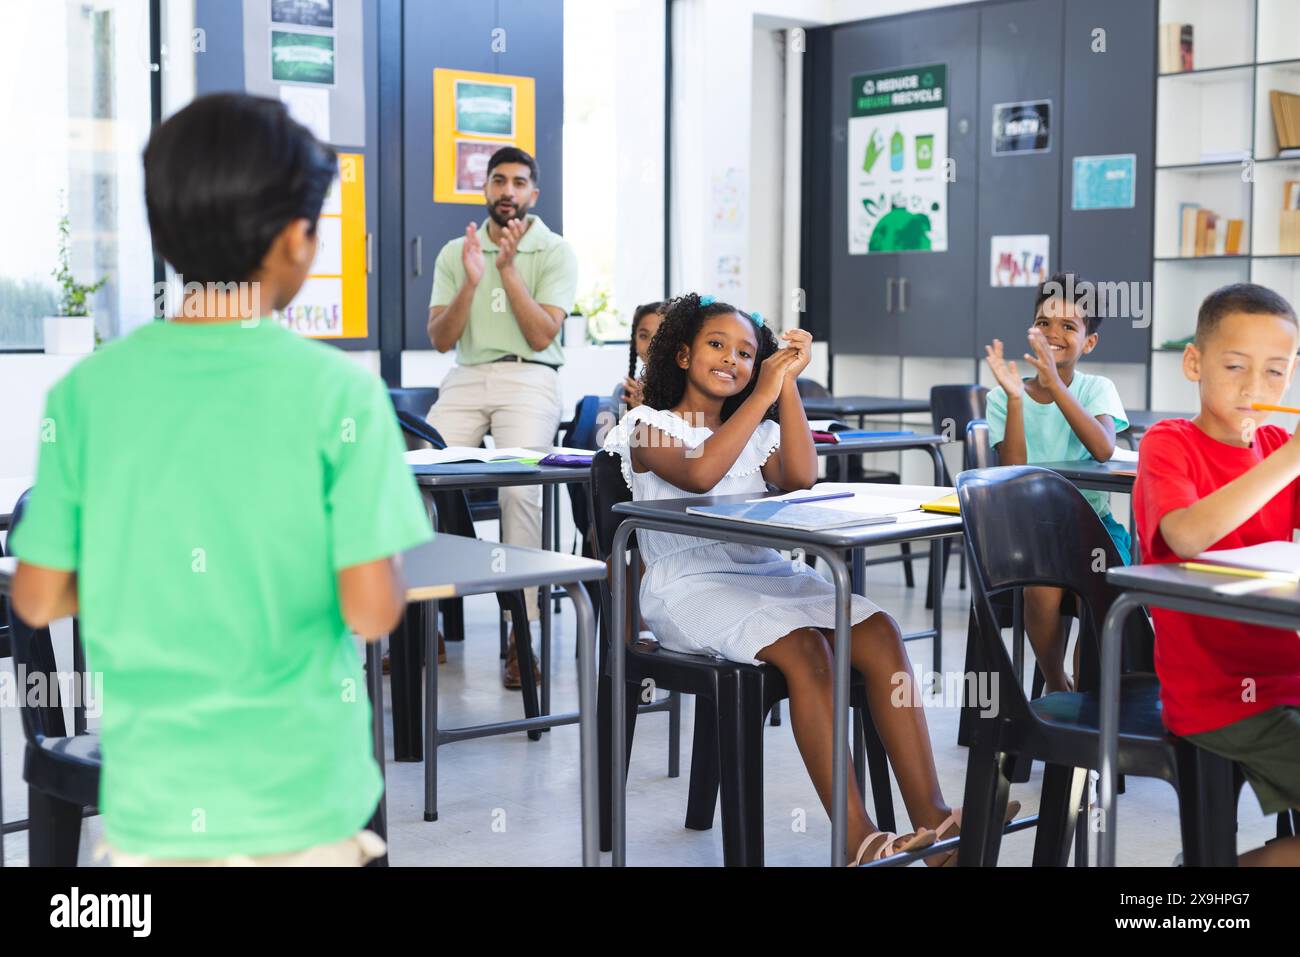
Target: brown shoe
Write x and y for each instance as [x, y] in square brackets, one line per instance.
[388, 664]
[510, 678]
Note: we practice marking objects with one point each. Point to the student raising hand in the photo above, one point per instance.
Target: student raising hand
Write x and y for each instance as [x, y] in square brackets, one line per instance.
[1004, 371]
[800, 341]
[775, 369]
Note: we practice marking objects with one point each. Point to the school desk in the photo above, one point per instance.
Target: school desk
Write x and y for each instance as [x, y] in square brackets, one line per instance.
[1098, 476]
[452, 566]
[405, 658]
[861, 406]
[1140, 420]
[1269, 605]
[670, 515]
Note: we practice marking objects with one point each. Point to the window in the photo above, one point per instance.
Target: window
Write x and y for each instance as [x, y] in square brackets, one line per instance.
[78, 80]
[613, 154]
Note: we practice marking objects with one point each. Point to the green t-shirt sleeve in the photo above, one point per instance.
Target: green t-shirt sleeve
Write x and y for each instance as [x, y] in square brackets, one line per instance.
[557, 283]
[374, 506]
[446, 281]
[50, 532]
[1103, 399]
[996, 414]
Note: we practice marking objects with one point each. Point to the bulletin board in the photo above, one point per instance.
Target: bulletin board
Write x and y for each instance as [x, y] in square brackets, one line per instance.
[474, 115]
[332, 301]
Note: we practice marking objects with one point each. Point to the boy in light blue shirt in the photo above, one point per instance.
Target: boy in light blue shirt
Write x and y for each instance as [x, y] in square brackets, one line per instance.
[1058, 415]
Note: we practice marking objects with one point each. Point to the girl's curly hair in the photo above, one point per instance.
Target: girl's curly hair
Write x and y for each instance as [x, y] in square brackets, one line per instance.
[665, 380]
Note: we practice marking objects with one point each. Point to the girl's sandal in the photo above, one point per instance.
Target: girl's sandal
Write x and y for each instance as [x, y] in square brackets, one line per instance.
[889, 844]
[951, 827]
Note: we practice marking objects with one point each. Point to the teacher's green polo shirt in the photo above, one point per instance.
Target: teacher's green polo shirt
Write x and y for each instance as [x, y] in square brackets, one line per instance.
[548, 267]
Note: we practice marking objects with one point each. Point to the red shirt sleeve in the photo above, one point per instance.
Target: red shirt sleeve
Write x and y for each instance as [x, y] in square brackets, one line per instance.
[1165, 483]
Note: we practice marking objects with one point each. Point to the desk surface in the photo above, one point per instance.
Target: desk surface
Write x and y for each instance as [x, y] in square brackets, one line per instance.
[1169, 580]
[451, 566]
[883, 443]
[1099, 476]
[911, 526]
[545, 475]
[817, 406]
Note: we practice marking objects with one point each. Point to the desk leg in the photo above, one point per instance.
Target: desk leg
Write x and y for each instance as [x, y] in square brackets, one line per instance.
[544, 595]
[618, 692]
[843, 658]
[405, 649]
[375, 688]
[1112, 647]
[587, 763]
[937, 567]
[431, 719]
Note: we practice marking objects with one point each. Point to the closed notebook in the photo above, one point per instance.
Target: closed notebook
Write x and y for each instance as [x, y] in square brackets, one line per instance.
[946, 505]
[804, 518]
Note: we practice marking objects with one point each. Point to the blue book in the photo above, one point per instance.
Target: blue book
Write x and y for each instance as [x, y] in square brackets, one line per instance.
[804, 518]
[845, 435]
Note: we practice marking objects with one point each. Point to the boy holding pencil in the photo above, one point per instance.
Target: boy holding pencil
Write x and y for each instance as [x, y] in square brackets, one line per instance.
[1224, 480]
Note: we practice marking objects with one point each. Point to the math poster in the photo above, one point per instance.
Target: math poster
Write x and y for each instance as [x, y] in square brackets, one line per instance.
[332, 302]
[474, 115]
[898, 145]
[1018, 260]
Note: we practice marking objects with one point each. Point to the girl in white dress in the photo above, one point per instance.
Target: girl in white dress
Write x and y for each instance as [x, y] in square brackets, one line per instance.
[715, 376]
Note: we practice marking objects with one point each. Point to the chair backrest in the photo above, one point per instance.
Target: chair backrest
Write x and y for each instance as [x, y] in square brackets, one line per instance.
[980, 453]
[607, 490]
[952, 407]
[416, 401]
[811, 389]
[582, 434]
[1030, 526]
[418, 428]
[33, 654]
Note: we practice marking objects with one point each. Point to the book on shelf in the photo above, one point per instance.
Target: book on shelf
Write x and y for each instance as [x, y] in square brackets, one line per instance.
[1288, 232]
[1286, 118]
[1176, 47]
[1203, 232]
[1236, 230]
[1291, 194]
[1187, 228]
[1204, 240]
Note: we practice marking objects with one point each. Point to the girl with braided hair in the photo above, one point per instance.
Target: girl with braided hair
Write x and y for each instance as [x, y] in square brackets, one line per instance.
[645, 323]
[722, 416]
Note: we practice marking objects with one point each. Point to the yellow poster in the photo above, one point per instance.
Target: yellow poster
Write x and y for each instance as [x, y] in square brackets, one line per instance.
[474, 115]
[332, 302]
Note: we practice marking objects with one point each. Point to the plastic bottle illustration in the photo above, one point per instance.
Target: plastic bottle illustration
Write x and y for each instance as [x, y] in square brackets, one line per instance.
[896, 151]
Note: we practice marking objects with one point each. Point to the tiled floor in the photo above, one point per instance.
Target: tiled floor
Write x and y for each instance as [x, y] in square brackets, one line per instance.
[508, 801]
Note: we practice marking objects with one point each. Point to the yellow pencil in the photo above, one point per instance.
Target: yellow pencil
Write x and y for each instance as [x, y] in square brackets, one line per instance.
[1265, 407]
[1240, 572]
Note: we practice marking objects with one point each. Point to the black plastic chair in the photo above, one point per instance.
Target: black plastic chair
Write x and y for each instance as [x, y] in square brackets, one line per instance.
[416, 401]
[732, 700]
[456, 518]
[1007, 551]
[61, 770]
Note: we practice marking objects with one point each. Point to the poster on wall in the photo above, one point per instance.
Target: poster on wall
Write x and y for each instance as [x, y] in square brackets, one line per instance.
[1024, 127]
[332, 301]
[309, 55]
[474, 115]
[898, 144]
[1018, 261]
[1105, 182]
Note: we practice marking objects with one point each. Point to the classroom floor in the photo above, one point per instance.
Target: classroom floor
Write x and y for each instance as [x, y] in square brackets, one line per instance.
[506, 801]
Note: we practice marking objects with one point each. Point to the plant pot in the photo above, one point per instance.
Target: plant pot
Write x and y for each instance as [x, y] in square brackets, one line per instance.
[575, 331]
[69, 335]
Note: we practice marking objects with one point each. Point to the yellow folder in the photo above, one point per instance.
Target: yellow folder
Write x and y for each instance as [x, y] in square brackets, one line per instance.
[947, 505]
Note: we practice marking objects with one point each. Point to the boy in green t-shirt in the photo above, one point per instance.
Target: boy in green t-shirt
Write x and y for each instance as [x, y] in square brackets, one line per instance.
[1057, 415]
[221, 501]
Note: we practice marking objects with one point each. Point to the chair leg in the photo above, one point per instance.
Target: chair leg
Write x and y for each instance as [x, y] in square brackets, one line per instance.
[54, 830]
[961, 568]
[524, 651]
[908, 579]
[882, 791]
[702, 794]
[1057, 810]
[774, 717]
[1207, 807]
[740, 769]
[674, 734]
[983, 808]
[453, 619]
[604, 761]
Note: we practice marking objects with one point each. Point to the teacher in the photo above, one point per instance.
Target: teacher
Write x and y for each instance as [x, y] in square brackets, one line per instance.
[500, 296]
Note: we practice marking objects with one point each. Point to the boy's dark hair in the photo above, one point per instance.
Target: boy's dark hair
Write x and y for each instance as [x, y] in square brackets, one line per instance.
[1080, 293]
[513, 154]
[643, 310]
[665, 380]
[223, 177]
[1247, 297]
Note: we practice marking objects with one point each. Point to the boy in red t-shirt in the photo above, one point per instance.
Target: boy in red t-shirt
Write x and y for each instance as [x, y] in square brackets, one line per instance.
[1222, 480]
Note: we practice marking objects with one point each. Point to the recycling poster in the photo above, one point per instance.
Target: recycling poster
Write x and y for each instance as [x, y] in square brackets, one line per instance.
[898, 143]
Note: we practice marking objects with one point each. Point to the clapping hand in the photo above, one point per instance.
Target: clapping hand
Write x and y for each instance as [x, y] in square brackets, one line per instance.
[1004, 371]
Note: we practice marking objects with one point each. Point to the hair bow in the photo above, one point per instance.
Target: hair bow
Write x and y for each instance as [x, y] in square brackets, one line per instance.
[758, 318]
[707, 300]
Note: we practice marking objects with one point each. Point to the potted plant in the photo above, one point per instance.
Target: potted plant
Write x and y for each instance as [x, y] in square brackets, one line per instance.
[72, 331]
[599, 318]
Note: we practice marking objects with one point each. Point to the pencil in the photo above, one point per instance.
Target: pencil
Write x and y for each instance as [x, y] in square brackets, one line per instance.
[1265, 407]
[1240, 572]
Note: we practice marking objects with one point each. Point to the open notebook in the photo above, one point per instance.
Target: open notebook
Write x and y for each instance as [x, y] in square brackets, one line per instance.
[774, 512]
[463, 453]
[1276, 561]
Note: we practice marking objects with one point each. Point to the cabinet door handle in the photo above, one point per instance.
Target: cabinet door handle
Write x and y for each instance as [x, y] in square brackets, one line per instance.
[889, 294]
[902, 294]
[370, 253]
[417, 256]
